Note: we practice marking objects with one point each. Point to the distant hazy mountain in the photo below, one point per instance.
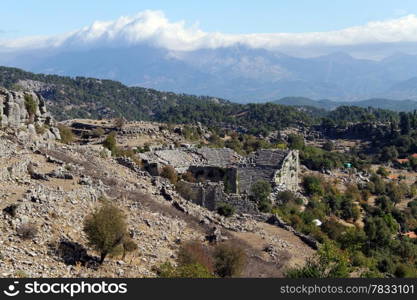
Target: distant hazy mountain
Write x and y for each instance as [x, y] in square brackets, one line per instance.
[395, 105]
[237, 73]
[147, 49]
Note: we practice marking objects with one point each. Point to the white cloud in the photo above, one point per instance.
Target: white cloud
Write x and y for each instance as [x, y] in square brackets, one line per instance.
[154, 28]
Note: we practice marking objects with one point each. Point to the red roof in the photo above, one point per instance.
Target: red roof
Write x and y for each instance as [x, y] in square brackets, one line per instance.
[411, 234]
[403, 160]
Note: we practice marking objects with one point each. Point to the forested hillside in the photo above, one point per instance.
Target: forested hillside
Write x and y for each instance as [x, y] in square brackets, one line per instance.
[82, 97]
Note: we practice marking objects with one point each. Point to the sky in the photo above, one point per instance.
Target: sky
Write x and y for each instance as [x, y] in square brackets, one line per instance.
[50, 17]
[370, 29]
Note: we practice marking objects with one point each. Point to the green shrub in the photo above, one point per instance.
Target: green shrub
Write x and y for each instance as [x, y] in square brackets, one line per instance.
[225, 209]
[359, 259]
[20, 274]
[333, 228]
[289, 197]
[265, 206]
[105, 229]
[111, 143]
[382, 171]
[313, 185]
[27, 231]
[295, 141]
[328, 146]
[130, 154]
[188, 176]
[229, 260]
[40, 129]
[194, 252]
[386, 265]
[98, 132]
[379, 186]
[67, 136]
[30, 105]
[404, 271]
[328, 262]
[128, 246]
[170, 173]
[260, 192]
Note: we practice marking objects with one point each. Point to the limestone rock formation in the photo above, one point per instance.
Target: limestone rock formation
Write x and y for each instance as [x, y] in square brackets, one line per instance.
[23, 109]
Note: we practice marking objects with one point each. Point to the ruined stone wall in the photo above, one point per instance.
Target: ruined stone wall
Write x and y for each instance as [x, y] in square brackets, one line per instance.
[210, 195]
[247, 176]
[287, 178]
[242, 204]
[215, 174]
[206, 195]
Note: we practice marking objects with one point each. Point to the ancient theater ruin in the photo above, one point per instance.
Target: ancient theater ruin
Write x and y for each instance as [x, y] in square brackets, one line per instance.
[223, 176]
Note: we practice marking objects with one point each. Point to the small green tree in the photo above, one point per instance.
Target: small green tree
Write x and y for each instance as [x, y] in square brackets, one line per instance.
[313, 186]
[395, 193]
[405, 123]
[260, 192]
[105, 229]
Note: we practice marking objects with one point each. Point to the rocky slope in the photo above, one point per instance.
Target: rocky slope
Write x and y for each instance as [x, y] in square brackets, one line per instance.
[51, 187]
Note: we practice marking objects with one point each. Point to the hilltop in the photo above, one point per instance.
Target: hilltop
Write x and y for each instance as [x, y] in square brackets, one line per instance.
[381, 103]
[81, 97]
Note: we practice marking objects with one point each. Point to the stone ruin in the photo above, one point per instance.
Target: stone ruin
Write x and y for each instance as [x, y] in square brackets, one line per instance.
[223, 176]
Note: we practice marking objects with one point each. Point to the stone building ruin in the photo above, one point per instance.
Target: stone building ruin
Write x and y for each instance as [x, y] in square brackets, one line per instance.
[223, 176]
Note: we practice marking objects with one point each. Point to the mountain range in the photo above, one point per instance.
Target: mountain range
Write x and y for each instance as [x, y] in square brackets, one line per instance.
[374, 60]
[238, 73]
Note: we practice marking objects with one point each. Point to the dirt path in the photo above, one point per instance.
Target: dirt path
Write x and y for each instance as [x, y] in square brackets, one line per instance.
[288, 246]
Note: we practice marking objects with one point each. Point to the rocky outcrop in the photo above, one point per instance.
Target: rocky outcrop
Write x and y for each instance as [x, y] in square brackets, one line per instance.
[22, 109]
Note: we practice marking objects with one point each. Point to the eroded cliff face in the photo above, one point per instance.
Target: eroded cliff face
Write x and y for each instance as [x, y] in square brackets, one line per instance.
[288, 176]
[22, 109]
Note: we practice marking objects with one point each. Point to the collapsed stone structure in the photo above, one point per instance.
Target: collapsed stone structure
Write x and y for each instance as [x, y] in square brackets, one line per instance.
[20, 109]
[223, 176]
